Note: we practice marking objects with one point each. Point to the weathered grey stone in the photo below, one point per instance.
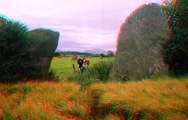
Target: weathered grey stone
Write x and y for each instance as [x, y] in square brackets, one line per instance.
[44, 43]
[139, 51]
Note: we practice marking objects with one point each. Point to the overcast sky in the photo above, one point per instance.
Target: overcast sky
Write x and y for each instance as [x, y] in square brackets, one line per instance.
[82, 24]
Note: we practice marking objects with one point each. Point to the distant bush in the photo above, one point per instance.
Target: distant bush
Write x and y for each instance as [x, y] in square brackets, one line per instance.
[110, 53]
[57, 54]
[16, 61]
[95, 55]
[102, 55]
[74, 57]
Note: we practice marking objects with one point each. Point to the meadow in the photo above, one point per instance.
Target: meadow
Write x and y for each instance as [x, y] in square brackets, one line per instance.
[163, 98]
[63, 66]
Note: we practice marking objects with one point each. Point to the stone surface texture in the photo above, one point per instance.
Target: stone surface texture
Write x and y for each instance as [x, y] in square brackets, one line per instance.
[139, 52]
[44, 43]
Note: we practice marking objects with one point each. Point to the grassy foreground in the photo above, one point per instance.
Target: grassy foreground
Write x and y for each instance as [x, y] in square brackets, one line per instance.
[162, 99]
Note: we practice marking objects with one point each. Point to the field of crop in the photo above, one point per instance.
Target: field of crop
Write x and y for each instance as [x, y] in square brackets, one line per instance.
[163, 98]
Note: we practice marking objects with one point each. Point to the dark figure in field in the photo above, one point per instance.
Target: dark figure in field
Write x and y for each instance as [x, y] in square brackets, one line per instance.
[80, 63]
[73, 68]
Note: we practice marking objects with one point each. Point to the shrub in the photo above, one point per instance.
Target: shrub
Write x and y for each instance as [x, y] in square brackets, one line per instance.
[57, 54]
[16, 61]
[102, 55]
[98, 72]
[176, 49]
[51, 75]
[110, 53]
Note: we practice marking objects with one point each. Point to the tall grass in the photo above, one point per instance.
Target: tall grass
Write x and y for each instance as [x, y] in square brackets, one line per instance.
[161, 99]
[148, 99]
[98, 72]
[45, 100]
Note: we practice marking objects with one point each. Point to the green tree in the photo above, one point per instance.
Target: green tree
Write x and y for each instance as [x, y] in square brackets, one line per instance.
[176, 49]
[110, 53]
[102, 55]
[57, 54]
[16, 61]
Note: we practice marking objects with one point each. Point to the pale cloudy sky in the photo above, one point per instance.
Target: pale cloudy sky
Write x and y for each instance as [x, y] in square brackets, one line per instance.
[82, 24]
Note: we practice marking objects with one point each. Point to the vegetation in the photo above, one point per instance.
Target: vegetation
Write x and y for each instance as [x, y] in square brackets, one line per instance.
[16, 61]
[102, 55]
[99, 72]
[158, 99]
[91, 98]
[176, 53]
[75, 53]
[141, 100]
[63, 67]
[46, 100]
[110, 53]
[90, 95]
[57, 54]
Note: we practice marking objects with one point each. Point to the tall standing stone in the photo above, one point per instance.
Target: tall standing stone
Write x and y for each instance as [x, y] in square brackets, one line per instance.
[43, 43]
[140, 42]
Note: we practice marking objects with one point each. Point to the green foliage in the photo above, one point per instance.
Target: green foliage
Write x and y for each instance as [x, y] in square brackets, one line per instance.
[110, 53]
[102, 55]
[98, 72]
[176, 49]
[64, 66]
[51, 75]
[56, 54]
[9, 116]
[16, 61]
[24, 89]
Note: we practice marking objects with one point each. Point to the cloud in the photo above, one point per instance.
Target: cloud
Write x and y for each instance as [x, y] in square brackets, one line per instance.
[82, 24]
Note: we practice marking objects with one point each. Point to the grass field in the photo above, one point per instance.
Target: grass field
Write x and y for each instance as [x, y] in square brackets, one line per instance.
[63, 66]
[164, 98]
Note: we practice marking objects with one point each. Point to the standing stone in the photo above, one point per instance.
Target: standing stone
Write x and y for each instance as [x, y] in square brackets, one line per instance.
[140, 42]
[43, 43]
